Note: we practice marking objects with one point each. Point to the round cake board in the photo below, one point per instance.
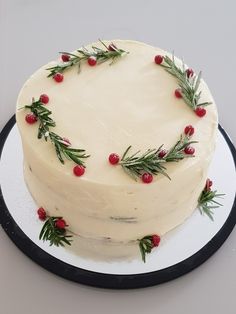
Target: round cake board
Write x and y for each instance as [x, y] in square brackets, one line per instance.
[180, 251]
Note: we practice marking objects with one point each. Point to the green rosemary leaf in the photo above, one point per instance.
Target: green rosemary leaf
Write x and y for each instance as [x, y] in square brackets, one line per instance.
[125, 153]
[75, 150]
[197, 83]
[43, 230]
[217, 203]
[142, 252]
[40, 133]
[47, 233]
[58, 152]
[74, 157]
[103, 44]
[68, 242]
[207, 211]
[204, 104]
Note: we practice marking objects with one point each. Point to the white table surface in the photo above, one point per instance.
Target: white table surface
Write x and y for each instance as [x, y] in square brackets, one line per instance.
[31, 33]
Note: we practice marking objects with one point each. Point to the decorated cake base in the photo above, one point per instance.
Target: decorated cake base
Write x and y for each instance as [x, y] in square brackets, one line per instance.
[180, 250]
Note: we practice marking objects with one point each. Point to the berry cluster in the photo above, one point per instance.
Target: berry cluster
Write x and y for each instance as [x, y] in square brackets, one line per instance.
[31, 118]
[59, 222]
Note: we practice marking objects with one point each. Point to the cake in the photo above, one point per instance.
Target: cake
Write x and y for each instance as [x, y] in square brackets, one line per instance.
[105, 109]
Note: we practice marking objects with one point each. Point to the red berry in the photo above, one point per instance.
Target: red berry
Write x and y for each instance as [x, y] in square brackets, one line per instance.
[189, 130]
[112, 47]
[66, 141]
[44, 98]
[147, 177]
[58, 77]
[178, 93]
[158, 59]
[31, 118]
[42, 213]
[189, 72]
[114, 159]
[79, 170]
[208, 185]
[162, 153]
[65, 58]
[92, 61]
[60, 223]
[155, 240]
[189, 150]
[200, 112]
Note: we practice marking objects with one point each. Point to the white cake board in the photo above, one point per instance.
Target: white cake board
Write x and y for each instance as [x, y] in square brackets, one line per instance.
[191, 240]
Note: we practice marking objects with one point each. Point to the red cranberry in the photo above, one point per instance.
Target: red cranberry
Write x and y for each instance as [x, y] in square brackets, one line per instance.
[189, 72]
[162, 153]
[147, 177]
[44, 98]
[65, 58]
[178, 93]
[208, 185]
[158, 59]
[79, 170]
[200, 112]
[156, 240]
[31, 118]
[189, 130]
[58, 77]
[66, 141]
[114, 159]
[42, 213]
[189, 150]
[92, 61]
[112, 47]
[60, 223]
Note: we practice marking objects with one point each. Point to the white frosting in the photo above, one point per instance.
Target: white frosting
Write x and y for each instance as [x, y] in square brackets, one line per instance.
[105, 109]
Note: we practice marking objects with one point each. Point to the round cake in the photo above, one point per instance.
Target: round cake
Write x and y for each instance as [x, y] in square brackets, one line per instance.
[104, 108]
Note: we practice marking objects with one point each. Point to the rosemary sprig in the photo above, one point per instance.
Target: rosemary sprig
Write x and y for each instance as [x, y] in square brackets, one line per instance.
[110, 52]
[135, 165]
[60, 144]
[145, 246]
[56, 236]
[147, 243]
[189, 85]
[207, 202]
